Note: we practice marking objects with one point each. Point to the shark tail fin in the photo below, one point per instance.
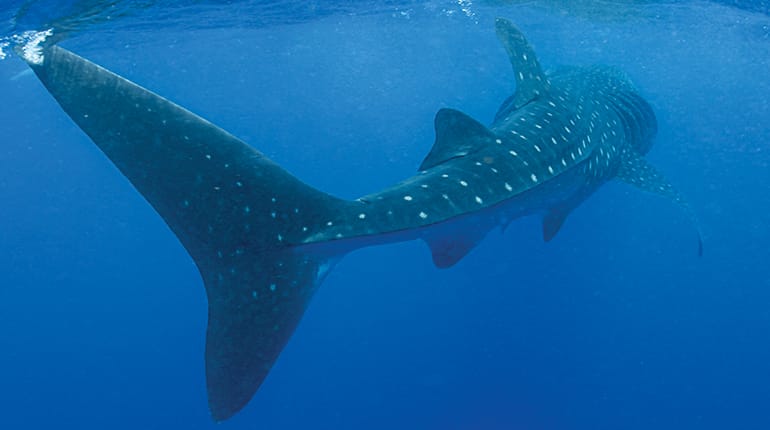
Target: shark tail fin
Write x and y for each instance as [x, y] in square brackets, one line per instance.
[636, 171]
[239, 215]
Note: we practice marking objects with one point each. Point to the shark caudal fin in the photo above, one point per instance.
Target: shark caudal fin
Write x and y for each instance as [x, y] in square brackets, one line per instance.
[237, 213]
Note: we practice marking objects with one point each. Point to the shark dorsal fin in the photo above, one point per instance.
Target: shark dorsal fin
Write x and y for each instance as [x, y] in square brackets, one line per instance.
[457, 135]
[636, 171]
[531, 82]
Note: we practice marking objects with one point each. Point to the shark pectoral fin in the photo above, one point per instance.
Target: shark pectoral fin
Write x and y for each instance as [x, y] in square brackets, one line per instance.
[457, 135]
[635, 170]
[448, 249]
[531, 81]
[552, 222]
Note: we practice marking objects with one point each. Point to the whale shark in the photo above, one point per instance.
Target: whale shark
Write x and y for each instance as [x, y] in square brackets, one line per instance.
[263, 240]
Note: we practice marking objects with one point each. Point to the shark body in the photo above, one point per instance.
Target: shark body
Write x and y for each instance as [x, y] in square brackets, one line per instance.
[263, 240]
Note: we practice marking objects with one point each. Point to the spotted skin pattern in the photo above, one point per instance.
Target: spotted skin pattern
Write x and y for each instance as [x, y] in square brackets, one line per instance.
[263, 240]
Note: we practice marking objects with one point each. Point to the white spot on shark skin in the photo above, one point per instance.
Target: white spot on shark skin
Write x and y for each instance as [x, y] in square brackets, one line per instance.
[477, 163]
[238, 183]
[550, 170]
[254, 295]
[273, 200]
[498, 141]
[538, 126]
[304, 228]
[564, 162]
[478, 200]
[493, 169]
[533, 177]
[280, 238]
[508, 187]
[512, 152]
[553, 139]
[272, 287]
[444, 175]
[446, 197]
[423, 215]
[463, 183]
[273, 214]
[329, 224]
[361, 216]
[424, 186]
[408, 198]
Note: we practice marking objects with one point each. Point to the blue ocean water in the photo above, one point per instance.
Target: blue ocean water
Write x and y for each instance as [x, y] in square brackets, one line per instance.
[616, 324]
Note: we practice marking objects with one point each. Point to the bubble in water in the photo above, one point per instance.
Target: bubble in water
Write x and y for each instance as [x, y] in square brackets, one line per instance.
[27, 45]
[3, 44]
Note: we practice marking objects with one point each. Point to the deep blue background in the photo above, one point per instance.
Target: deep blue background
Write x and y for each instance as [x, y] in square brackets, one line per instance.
[615, 324]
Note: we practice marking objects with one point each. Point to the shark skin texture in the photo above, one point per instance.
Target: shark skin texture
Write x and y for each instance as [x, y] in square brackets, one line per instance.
[263, 240]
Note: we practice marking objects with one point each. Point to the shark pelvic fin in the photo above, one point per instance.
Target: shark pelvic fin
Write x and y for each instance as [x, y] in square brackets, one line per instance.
[457, 135]
[531, 81]
[234, 210]
[636, 171]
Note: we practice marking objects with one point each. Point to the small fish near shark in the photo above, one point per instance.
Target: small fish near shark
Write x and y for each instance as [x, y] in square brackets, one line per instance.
[263, 240]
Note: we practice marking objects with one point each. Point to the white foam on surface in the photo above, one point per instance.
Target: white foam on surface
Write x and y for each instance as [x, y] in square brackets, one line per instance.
[3, 44]
[28, 45]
